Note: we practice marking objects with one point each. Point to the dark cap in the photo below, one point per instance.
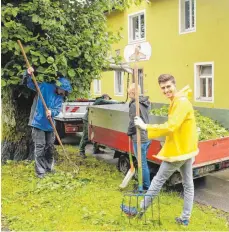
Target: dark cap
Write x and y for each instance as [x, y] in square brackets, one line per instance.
[106, 95]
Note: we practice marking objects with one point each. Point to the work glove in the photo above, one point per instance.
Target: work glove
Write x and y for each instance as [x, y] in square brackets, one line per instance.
[139, 123]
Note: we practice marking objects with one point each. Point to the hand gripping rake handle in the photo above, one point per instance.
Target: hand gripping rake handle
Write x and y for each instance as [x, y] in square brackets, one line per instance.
[42, 99]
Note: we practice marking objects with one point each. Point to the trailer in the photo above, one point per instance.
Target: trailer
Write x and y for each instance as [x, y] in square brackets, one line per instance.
[107, 126]
[70, 119]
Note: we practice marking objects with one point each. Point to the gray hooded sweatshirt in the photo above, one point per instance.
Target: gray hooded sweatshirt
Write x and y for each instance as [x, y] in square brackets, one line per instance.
[144, 105]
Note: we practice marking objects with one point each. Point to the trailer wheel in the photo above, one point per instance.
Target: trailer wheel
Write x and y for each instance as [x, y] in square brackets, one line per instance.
[123, 164]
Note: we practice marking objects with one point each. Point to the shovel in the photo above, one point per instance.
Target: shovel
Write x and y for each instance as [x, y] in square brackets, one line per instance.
[131, 171]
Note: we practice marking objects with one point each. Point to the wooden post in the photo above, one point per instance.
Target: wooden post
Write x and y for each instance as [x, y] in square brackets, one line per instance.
[140, 179]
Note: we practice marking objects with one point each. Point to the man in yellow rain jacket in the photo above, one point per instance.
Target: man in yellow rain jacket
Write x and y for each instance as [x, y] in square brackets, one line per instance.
[179, 150]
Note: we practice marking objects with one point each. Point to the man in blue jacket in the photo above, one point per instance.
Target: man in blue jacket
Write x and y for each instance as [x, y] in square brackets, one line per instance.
[42, 132]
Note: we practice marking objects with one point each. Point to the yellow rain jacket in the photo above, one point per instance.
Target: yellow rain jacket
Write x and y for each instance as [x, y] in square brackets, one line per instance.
[180, 130]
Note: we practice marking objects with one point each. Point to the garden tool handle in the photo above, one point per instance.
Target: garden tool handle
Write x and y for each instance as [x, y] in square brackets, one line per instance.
[130, 155]
[138, 130]
[40, 95]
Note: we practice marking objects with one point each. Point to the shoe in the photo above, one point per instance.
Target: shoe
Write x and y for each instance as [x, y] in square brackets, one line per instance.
[98, 152]
[41, 176]
[136, 189]
[51, 171]
[83, 155]
[180, 221]
[130, 211]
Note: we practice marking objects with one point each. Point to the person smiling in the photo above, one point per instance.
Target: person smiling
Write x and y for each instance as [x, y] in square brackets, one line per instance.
[179, 150]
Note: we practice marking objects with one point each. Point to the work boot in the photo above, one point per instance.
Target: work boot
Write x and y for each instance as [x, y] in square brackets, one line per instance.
[132, 211]
[181, 221]
[98, 151]
[82, 154]
[41, 176]
[128, 210]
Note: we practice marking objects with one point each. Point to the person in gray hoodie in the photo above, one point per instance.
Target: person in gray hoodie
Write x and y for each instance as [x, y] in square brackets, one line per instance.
[144, 105]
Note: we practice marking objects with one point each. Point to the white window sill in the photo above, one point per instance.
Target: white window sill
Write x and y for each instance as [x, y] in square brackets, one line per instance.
[118, 94]
[188, 31]
[204, 100]
[97, 93]
[136, 41]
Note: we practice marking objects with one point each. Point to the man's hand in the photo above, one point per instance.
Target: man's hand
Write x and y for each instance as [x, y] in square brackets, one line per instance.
[48, 114]
[139, 123]
[30, 70]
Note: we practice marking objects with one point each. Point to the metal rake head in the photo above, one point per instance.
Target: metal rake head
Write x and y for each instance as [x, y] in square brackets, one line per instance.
[138, 205]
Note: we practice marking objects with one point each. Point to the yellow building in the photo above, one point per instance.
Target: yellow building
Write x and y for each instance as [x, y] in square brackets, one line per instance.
[186, 38]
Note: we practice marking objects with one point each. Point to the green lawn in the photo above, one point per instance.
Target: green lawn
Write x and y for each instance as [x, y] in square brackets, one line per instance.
[88, 201]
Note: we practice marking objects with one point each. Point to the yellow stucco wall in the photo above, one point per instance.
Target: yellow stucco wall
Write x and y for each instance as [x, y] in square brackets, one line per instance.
[176, 53]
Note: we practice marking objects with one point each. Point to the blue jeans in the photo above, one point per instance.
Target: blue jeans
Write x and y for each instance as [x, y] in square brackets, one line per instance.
[165, 171]
[145, 168]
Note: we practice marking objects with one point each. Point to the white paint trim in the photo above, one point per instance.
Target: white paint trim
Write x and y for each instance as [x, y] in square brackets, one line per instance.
[122, 78]
[205, 100]
[135, 14]
[97, 93]
[191, 30]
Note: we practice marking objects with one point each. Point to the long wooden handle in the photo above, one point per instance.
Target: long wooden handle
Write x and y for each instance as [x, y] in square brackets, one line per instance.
[40, 94]
[130, 156]
[138, 130]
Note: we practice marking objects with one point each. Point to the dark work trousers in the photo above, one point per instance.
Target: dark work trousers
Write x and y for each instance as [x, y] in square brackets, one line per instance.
[84, 140]
[43, 150]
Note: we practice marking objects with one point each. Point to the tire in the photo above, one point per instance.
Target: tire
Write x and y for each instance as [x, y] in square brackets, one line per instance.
[123, 164]
[61, 131]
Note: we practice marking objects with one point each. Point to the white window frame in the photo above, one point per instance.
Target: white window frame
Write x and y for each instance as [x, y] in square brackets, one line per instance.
[122, 87]
[182, 29]
[197, 83]
[133, 81]
[130, 28]
[97, 87]
[142, 87]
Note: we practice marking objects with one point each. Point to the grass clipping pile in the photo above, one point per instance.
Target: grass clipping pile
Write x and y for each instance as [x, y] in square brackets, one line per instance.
[210, 129]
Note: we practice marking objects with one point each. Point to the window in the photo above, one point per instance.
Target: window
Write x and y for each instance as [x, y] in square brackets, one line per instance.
[204, 85]
[140, 80]
[187, 16]
[118, 83]
[97, 86]
[137, 27]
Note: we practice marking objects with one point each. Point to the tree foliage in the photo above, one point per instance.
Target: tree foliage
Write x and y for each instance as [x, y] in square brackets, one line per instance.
[64, 36]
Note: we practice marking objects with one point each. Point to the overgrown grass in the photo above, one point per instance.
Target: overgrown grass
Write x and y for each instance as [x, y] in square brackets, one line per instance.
[88, 201]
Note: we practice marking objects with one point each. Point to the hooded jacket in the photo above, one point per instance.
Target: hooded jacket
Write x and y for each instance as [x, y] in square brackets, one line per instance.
[38, 118]
[181, 141]
[144, 105]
